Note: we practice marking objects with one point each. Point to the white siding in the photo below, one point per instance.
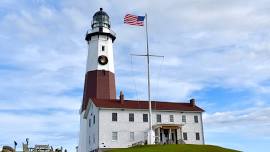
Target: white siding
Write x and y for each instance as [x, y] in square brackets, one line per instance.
[123, 127]
[191, 128]
[93, 131]
[83, 136]
[88, 140]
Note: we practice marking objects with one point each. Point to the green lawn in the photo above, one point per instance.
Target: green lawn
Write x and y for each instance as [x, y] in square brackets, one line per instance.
[174, 148]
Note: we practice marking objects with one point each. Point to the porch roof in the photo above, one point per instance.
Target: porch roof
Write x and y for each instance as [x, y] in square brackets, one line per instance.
[168, 126]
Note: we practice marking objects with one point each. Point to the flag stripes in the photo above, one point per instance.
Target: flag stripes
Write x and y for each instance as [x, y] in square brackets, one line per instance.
[134, 20]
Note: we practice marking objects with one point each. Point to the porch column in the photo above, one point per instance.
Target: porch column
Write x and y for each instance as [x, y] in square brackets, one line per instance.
[170, 135]
[178, 135]
[181, 134]
[158, 135]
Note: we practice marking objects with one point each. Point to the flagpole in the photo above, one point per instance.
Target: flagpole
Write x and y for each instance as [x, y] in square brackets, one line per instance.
[148, 75]
[151, 133]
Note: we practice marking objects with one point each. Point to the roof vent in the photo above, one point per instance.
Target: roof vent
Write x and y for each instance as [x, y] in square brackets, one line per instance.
[192, 102]
[121, 97]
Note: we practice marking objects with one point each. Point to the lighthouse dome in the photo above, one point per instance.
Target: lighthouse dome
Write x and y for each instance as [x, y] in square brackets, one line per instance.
[101, 19]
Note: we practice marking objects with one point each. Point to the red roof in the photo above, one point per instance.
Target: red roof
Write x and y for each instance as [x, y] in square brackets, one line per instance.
[156, 105]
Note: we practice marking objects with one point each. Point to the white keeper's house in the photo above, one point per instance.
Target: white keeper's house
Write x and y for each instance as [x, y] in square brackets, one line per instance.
[107, 121]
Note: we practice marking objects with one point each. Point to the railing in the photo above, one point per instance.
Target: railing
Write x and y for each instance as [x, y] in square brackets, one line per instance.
[111, 31]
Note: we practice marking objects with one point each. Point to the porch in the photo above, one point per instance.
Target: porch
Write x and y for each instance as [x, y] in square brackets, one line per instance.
[168, 133]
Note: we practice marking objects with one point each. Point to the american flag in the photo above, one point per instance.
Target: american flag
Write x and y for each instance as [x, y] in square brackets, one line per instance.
[134, 20]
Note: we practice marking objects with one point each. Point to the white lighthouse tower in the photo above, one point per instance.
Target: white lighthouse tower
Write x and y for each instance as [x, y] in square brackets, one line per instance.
[99, 77]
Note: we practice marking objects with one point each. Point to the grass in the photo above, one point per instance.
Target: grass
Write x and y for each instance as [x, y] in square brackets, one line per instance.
[175, 148]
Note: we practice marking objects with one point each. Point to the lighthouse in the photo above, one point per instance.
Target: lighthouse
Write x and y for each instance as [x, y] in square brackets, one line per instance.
[108, 122]
[99, 77]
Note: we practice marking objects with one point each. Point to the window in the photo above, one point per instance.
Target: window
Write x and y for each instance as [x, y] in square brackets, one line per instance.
[114, 116]
[103, 48]
[196, 119]
[90, 122]
[184, 135]
[184, 119]
[158, 117]
[131, 117]
[145, 117]
[197, 136]
[171, 118]
[89, 140]
[94, 139]
[94, 119]
[131, 136]
[145, 135]
[114, 136]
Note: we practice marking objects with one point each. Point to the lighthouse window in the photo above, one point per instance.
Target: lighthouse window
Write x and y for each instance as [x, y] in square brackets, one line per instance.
[103, 48]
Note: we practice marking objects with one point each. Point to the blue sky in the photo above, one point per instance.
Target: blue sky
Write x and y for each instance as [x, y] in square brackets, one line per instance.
[215, 51]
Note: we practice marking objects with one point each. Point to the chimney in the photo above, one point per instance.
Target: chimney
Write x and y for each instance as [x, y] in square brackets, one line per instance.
[192, 102]
[121, 97]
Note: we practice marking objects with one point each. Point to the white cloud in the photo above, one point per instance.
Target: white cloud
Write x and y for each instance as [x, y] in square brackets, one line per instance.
[51, 128]
[215, 44]
[243, 122]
